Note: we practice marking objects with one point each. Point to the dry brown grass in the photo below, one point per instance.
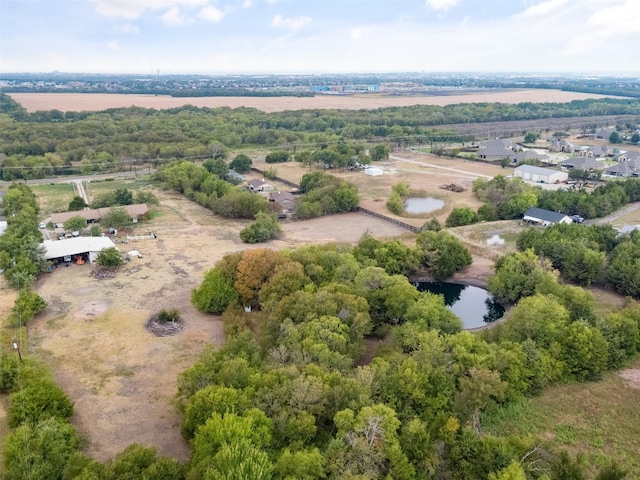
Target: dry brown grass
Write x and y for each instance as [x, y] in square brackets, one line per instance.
[100, 101]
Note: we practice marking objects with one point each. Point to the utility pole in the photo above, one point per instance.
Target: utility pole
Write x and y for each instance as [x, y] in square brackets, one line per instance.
[16, 347]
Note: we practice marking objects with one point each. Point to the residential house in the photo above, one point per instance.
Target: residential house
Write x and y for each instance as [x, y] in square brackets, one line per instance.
[544, 218]
[528, 156]
[625, 156]
[629, 168]
[562, 145]
[603, 133]
[286, 200]
[496, 149]
[259, 186]
[596, 151]
[589, 164]
[91, 216]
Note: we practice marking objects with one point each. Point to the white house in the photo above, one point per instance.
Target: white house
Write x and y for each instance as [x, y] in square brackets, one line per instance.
[539, 174]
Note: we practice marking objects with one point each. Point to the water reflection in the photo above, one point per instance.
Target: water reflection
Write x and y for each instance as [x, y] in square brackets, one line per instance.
[473, 305]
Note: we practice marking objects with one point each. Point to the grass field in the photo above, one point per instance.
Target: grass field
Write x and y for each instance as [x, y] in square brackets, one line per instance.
[599, 420]
[97, 187]
[54, 197]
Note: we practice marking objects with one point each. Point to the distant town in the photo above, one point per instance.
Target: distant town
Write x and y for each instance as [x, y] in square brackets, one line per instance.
[160, 83]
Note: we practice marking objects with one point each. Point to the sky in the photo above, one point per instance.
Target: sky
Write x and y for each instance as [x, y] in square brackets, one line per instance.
[320, 36]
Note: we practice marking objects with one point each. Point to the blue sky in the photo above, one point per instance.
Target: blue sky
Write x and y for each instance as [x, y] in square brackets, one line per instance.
[319, 36]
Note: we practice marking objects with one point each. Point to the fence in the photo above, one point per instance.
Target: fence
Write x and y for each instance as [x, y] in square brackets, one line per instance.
[150, 236]
[281, 180]
[404, 225]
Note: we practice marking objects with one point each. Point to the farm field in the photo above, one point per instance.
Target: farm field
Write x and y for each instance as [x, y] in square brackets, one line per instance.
[101, 101]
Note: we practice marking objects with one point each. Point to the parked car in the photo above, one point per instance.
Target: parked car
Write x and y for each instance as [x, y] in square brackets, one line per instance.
[577, 218]
[42, 225]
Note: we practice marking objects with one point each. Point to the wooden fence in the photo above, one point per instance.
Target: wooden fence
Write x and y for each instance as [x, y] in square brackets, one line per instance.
[404, 225]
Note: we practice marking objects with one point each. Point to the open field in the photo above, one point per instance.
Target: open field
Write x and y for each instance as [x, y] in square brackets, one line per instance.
[121, 377]
[101, 101]
[595, 418]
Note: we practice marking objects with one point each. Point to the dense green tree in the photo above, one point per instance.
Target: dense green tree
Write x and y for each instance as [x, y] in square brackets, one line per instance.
[116, 217]
[241, 163]
[26, 307]
[123, 196]
[444, 254]
[531, 137]
[264, 228]
[214, 294]
[518, 275]
[278, 156]
[147, 197]
[75, 223]
[615, 138]
[380, 152]
[40, 450]
[300, 465]
[461, 216]
[77, 204]
[218, 167]
[38, 401]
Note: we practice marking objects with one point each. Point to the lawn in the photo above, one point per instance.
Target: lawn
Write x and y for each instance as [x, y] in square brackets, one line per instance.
[54, 197]
[97, 187]
[600, 420]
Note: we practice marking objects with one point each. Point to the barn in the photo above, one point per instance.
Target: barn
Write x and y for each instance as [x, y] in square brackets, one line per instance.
[541, 175]
[542, 217]
[85, 249]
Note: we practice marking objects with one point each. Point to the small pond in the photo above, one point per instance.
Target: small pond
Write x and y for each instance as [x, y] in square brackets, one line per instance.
[423, 205]
[474, 306]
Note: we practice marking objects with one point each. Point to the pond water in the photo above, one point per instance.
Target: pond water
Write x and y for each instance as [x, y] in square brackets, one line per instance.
[423, 205]
[474, 306]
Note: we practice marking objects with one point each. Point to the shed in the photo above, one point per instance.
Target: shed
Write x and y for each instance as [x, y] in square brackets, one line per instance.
[540, 216]
[373, 171]
[86, 247]
[539, 174]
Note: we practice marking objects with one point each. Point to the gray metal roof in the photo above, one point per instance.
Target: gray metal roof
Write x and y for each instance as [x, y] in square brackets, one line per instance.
[536, 170]
[545, 215]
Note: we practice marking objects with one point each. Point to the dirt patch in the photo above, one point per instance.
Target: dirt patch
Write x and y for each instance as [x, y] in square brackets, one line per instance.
[98, 101]
[632, 377]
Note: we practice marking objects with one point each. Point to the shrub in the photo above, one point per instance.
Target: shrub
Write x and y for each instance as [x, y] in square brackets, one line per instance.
[165, 316]
[395, 204]
[215, 293]
[109, 257]
[263, 229]
[27, 305]
[461, 216]
[277, 157]
[38, 401]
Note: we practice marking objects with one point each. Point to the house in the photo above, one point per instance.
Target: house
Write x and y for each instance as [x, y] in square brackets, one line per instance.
[74, 249]
[542, 217]
[92, 216]
[260, 186]
[603, 133]
[630, 168]
[626, 229]
[496, 149]
[373, 171]
[562, 145]
[528, 155]
[625, 156]
[596, 151]
[539, 174]
[582, 163]
[285, 199]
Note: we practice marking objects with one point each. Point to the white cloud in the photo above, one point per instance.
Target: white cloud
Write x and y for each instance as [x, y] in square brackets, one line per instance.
[272, 2]
[359, 33]
[134, 9]
[291, 23]
[211, 14]
[616, 19]
[174, 18]
[544, 8]
[115, 46]
[128, 28]
[441, 5]
[248, 4]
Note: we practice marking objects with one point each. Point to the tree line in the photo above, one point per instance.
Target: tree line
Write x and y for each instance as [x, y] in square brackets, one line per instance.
[52, 142]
